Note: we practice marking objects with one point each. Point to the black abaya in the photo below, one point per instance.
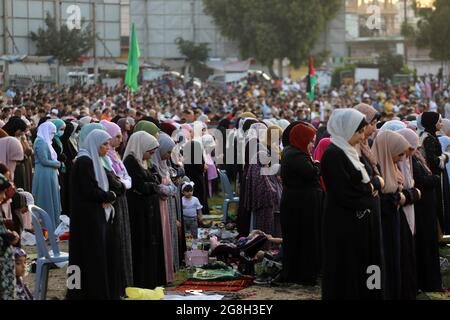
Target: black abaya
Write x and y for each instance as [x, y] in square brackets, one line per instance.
[88, 244]
[146, 228]
[390, 222]
[70, 153]
[350, 242]
[433, 150]
[300, 209]
[426, 240]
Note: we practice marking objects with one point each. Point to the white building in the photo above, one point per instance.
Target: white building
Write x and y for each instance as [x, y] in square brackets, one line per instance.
[19, 17]
[160, 22]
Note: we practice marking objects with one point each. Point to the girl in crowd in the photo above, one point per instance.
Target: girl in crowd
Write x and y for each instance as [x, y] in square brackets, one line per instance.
[7, 240]
[125, 127]
[300, 208]
[349, 242]
[70, 148]
[168, 217]
[407, 219]
[18, 128]
[263, 190]
[148, 127]
[118, 176]
[61, 157]
[437, 161]
[370, 162]
[92, 212]
[45, 179]
[389, 149]
[426, 222]
[145, 218]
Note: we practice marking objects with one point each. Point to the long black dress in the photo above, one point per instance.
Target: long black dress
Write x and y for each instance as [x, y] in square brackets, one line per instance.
[88, 244]
[433, 150]
[70, 153]
[194, 168]
[349, 242]
[146, 228]
[390, 222]
[427, 245]
[376, 229]
[300, 210]
[62, 174]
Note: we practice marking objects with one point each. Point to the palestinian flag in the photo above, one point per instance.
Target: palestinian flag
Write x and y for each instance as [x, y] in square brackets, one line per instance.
[312, 81]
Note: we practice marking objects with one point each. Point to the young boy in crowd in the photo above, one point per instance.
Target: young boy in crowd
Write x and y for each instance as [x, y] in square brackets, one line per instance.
[22, 292]
[192, 209]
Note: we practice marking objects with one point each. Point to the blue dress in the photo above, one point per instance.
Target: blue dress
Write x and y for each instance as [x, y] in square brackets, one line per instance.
[45, 181]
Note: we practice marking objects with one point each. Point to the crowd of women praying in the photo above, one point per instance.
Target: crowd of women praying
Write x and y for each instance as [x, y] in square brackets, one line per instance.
[346, 195]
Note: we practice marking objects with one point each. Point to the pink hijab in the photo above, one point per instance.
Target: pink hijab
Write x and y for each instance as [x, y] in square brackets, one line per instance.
[407, 171]
[321, 147]
[11, 151]
[387, 145]
[114, 130]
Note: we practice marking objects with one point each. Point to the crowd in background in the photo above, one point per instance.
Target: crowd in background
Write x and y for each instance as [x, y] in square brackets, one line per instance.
[361, 179]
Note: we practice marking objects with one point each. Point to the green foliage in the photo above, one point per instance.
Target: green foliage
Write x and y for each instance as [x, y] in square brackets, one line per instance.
[434, 30]
[390, 64]
[195, 54]
[64, 44]
[336, 77]
[406, 70]
[269, 30]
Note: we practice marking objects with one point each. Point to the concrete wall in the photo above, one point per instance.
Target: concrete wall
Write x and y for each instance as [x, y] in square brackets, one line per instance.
[169, 19]
[24, 16]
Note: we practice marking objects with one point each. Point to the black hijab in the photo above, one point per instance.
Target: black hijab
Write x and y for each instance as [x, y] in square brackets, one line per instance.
[14, 124]
[429, 121]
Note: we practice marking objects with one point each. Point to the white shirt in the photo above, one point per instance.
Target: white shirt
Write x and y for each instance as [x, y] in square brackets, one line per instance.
[190, 207]
[447, 110]
[433, 106]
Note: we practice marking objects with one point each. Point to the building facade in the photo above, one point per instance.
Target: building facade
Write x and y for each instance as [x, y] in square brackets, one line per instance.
[20, 17]
[159, 23]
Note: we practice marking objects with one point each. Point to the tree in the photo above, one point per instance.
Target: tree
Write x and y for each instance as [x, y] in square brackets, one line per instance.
[269, 30]
[434, 30]
[390, 64]
[195, 54]
[64, 44]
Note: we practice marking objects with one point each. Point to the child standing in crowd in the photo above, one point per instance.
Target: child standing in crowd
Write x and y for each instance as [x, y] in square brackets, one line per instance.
[22, 292]
[192, 209]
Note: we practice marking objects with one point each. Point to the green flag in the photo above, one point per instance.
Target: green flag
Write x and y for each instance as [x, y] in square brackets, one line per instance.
[131, 78]
[312, 81]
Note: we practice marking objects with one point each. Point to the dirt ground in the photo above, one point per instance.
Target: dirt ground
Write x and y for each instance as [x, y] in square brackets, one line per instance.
[57, 287]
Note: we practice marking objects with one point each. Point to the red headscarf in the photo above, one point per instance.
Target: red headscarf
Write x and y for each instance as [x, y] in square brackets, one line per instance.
[300, 136]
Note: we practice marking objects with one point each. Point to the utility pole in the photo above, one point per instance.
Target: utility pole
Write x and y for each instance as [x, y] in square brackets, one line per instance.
[405, 49]
[94, 29]
[5, 43]
[58, 27]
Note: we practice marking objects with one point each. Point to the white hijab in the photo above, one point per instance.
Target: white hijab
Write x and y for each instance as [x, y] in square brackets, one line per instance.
[46, 132]
[342, 126]
[139, 143]
[90, 149]
[93, 142]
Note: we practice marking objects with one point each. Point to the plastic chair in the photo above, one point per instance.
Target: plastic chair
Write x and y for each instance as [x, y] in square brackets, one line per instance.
[230, 196]
[45, 258]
